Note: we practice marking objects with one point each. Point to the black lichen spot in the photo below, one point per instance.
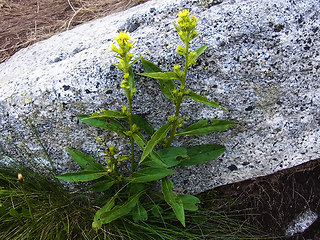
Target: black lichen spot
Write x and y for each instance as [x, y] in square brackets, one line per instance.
[132, 26]
[87, 91]
[112, 67]
[250, 108]
[300, 19]
[66, 87]
[306, 47]
[152, 10]
[278, 27]
[232, 167]
[109, 91]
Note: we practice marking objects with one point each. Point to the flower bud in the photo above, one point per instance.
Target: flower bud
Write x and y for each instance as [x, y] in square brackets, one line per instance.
[181, 50]
[126, 75]
[20, 177]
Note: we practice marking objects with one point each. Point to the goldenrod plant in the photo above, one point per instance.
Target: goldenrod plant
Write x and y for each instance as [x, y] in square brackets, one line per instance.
[128, 180]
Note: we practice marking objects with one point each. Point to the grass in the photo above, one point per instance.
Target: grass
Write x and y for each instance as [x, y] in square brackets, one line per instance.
[40, 207]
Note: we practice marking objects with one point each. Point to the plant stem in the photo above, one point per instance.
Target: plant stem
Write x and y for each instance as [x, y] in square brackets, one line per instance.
[175, 124]
[180, 98]
[133, 166]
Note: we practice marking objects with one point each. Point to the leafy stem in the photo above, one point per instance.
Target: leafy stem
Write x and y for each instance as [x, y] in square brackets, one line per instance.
[133, 165]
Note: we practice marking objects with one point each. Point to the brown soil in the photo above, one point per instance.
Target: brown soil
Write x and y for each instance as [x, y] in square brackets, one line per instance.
[23, 22]
[273, 200]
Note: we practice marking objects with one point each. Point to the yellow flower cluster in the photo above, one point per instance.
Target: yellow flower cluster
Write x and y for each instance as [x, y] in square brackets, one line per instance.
[186, 29]
[187, 21]
[123, 40]
[124, 44]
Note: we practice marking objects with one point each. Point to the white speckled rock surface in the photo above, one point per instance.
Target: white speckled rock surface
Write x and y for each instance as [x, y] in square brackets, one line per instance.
[262, 64]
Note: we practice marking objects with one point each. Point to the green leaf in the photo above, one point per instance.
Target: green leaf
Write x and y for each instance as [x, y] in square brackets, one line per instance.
[202, 153]
[107, 114]
[157, 210]
[155, 138]
[170, 156]
[108, 123]
[119, 211]
[134, 61]
[139, 213]
[102, 185]
[206, 126]
[85, 161]
[189, 202]
[171, 198]
[142, 143]
[193, 58]
[142, 123]
[165, 76]
[202, 99]
[166, 86]
[82, 176]
[200, 50]
[150, 174]
[134, 188]
[149, 66]
[97, 223]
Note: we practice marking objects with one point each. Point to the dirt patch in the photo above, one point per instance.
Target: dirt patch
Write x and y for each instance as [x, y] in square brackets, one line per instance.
[275, 200]
[25, 22]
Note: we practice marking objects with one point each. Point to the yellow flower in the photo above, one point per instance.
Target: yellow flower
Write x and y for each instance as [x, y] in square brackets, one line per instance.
[183, 13]
[20, 177]
[122, 38]
[126, 76]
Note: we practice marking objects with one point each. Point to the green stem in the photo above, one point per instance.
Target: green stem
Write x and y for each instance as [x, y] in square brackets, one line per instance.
[133, 166]
[180, 99]
[175, 124]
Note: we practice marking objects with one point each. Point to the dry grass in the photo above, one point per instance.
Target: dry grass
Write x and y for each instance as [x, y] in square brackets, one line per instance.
[23, 22]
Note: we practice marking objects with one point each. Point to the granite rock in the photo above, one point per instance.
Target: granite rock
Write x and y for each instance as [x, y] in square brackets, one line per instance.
[262, 64]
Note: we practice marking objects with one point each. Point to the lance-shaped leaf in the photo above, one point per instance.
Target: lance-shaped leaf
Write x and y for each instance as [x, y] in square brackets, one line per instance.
[142, 123]
[170, 156]
[189, 202]
[155, 138]
[108, 123]
[200, 50]
[194, 56]
[85, 161]
[102, 185]
[165, 76]
[202, 153]
[149, 66]
[171, 198]
[202, 99]
[106, 114]
[166, 86]
[97, 221]
[154, 157]
[82, 176]
[149, 174]
[139, 213]
[120, 210]
[134, 61]
[206, 126]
